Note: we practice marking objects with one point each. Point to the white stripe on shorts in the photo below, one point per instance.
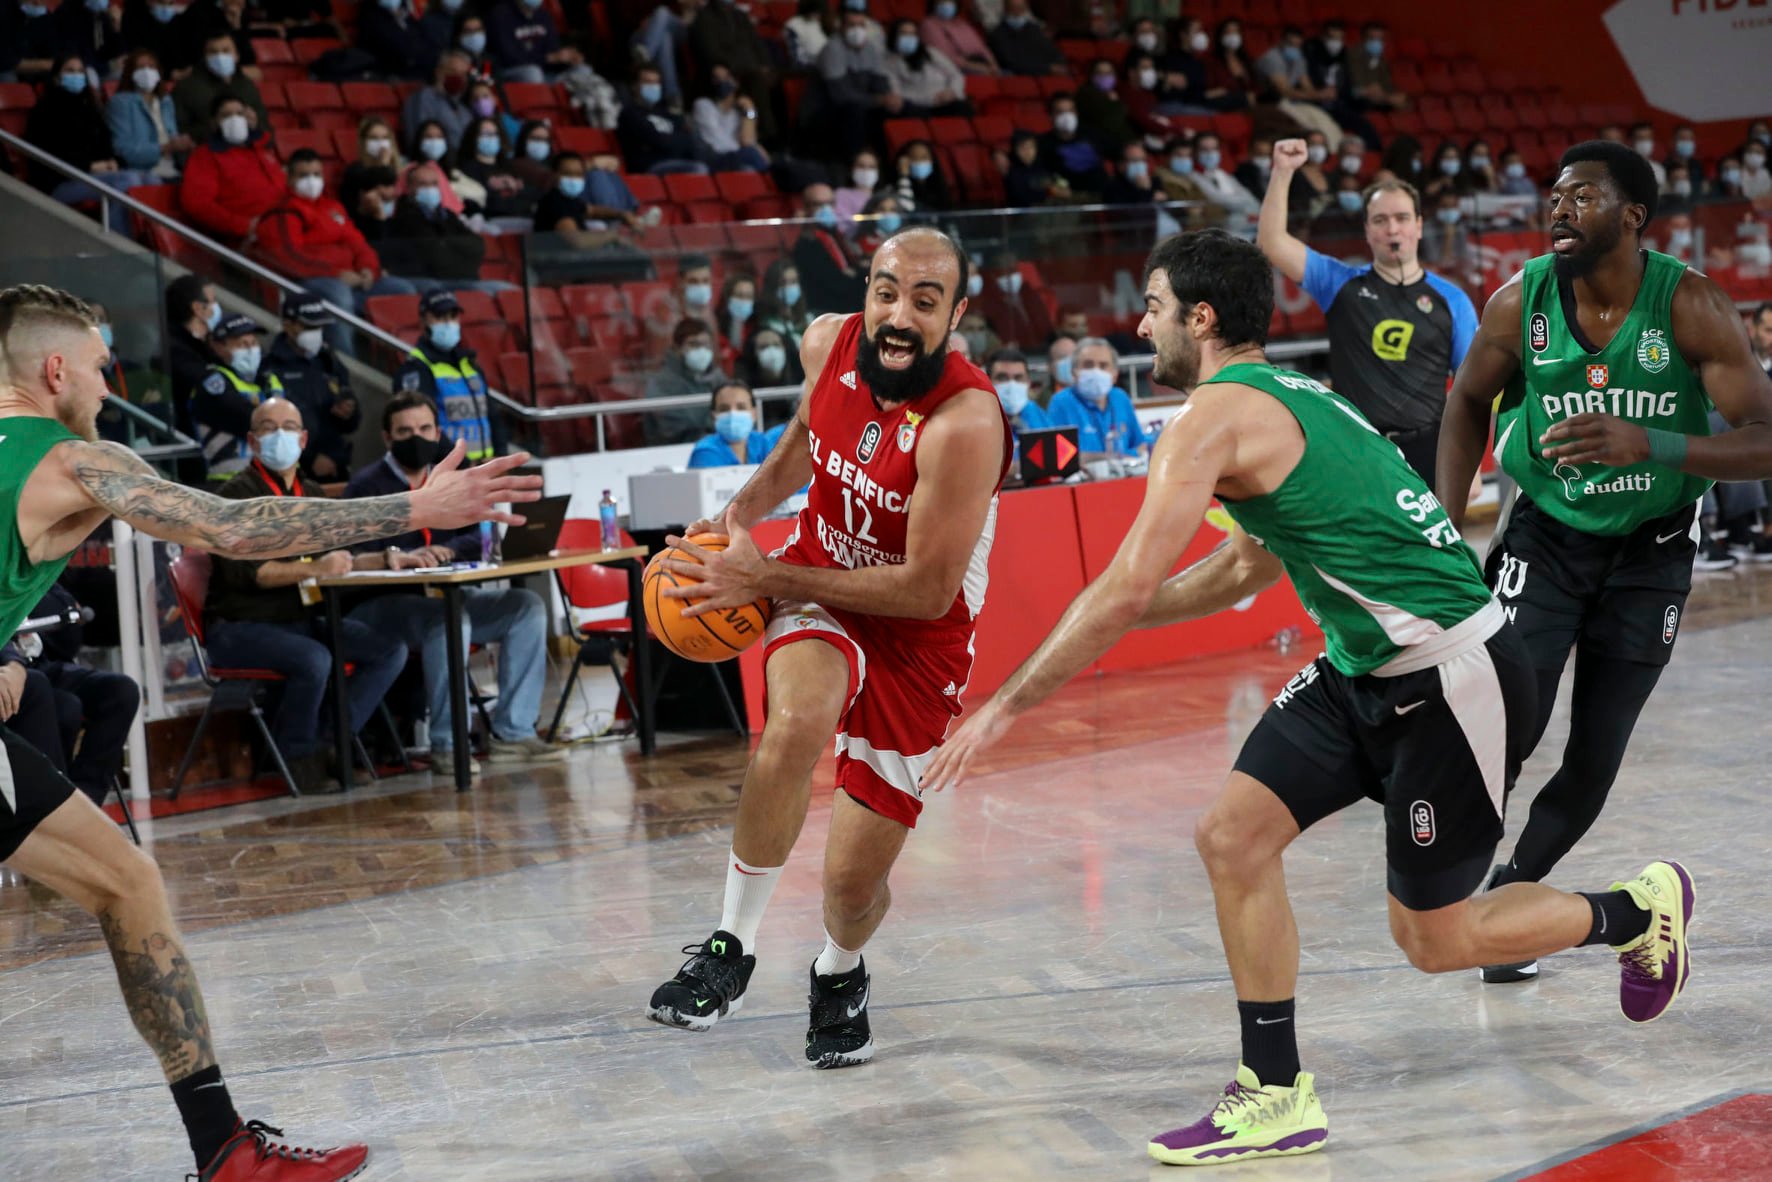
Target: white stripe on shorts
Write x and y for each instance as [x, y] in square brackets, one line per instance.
[6, 785]
[903, 772]
[1471, 688]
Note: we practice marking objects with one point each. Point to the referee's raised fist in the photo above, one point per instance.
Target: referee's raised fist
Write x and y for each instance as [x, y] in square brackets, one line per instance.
[1289, 156]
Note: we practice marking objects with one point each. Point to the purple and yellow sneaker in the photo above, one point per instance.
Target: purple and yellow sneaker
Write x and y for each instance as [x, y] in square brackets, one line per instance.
[1654, 967]
[1250, 1121]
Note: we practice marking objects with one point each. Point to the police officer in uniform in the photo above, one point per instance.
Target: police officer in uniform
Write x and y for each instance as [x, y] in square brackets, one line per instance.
[317, 382]
[1397, 331]
[441, 369]
[233, 384]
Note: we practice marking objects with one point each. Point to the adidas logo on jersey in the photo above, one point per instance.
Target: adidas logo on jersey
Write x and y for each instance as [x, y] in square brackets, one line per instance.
[848, 379]
[950, 691]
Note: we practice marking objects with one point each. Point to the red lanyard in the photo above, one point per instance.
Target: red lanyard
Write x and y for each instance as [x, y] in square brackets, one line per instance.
[277, 489]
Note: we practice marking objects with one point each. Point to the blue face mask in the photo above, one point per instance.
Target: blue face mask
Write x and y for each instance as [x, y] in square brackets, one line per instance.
[945, 11]
[651, 93]
[734, 425]
[429, 198]
[33, 11]
[433, 147]
[1349, 200]
[214, 316]
[740, 310]
[222, 65]
[572, 186]
[391, 5]
[487, 145]
[1013, 396]
[906, 45]
[1685, 148]
[474, 43]
[790, 294]
[1448, 217]
[245, 362]
[166, 13]
[1061, 371]
[1094, 384]
[538, 150]
[1450, 166]
[922, 170]
[1208, 160]
[698, 295]
[105, 335]
[826, 216]
[74, 83]
[446, 334]
[1292, 53]
[279, 450]
[1135, 169]
[1181, 164]
[1375, 46]
[97, 5]
[889, 222]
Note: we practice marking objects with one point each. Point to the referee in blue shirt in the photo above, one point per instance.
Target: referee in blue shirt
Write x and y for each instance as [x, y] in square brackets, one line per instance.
[1396, 330]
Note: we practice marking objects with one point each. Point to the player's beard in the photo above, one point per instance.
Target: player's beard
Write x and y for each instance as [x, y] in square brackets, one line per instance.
[899, 385]
[81, 420]
[1591, 248]
[1181, 370]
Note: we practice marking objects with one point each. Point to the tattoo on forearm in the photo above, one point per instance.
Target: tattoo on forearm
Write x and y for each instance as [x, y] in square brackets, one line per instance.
[263, 527]
[164, 1002]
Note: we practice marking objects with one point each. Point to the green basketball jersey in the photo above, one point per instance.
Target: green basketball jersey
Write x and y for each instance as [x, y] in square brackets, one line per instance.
[24, 441]
[1639, 376]
[1368, 548]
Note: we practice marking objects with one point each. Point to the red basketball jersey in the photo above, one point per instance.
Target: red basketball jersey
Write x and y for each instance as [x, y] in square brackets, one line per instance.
[864, 463]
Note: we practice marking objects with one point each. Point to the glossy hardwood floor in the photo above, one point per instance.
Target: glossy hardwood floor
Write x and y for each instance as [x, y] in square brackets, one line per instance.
[459, 979]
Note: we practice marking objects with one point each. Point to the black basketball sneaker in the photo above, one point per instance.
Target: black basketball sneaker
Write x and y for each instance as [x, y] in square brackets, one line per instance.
[838, 1034]
[708, 987]
[1501, 974]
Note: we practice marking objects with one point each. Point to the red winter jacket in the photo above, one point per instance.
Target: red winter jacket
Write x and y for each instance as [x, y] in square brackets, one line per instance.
[225, 187]
[314, 239]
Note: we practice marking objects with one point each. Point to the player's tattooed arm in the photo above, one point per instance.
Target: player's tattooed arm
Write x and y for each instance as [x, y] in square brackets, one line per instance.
[120, 482]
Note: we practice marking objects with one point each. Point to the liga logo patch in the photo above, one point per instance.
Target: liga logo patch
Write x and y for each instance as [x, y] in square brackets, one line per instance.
[1421, 822]
[1538, 328]
[1597, 375]
[1670, 624]
[870, 439]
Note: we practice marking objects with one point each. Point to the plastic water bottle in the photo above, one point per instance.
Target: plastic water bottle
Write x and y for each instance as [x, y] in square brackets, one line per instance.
[607, 517]
[485, 543]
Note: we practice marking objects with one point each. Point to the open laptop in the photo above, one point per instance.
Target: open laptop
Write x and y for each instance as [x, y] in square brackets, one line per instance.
[540, 532]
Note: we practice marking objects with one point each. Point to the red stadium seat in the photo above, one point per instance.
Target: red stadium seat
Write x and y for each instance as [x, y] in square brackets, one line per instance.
[586, 141]
[314, 96]
[272, 51]
[900, 132]
[949, 129]
[396, 313]
[736, 188]
[477, 307]
[589, 367]
[686, 187]
[992, 130]
[290, 142]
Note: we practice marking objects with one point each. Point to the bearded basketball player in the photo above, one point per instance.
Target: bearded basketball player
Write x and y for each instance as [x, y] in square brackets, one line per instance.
[870, 637]
[57, 485]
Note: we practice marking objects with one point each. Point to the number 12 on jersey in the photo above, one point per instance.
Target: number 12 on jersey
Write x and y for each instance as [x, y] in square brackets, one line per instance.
[851, 505]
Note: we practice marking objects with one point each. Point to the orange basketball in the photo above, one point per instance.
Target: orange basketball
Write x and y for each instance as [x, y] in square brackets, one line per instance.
[717, 636]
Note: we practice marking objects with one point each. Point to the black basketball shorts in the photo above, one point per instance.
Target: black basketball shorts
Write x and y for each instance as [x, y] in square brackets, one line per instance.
[1617, 597]
[30, 789]
[1439, 749]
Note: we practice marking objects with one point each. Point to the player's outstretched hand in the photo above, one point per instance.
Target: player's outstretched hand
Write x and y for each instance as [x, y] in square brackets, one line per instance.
[1595, 439]
[723, 578]
[1289, 156]
[977, 733]
[454, 497]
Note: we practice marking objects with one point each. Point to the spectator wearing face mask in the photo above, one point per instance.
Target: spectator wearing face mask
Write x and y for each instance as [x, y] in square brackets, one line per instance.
[1685, 155]
[1008, 371]
[1448, 174]
[1174, 172]
[782, 305]
[1369, 81]
[1351, 157]
[1312, 189]
[1132, 183]
[831, 275]
[30, 41]
[443, 370]
[525, 43]
[462, 195]
[1220, 187]
[510, 201]
[806, 32]
[67, 123]
[724, 34]
[1479, 167]
[738, 437]
[1514, 181]
[1253, 172]
[691, 367]
[1067, 152]
[1642, 138]
[768, 359]
[1028, 182]
[653, 137]
[920, 185]
[233, 385]
[443, 102]
[853, 91]
[661, 39]
[1058, 366]
[439, 26]
[1100, 411]
[1021, 44]
[231, 180]
[92, 31]
[173, 33]
[1013, 309]
[1102, 112]
[142, 121]
[576, 241]
[1756, 179]
[956, 38]
[317, 382]
[881, 218]
[388, 30]
[864, 176]
[924, 77]
[1344, 216]
[310, 236]
[1325, 57]
[191, 311]
[726, 126]
[737, 314]
[434, 247]
[692, 296]
[197, 94]
[1283, 79]
[1444, 241]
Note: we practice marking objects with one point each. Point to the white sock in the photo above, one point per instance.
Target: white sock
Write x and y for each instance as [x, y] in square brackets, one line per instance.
[747, 896]
[834, 959]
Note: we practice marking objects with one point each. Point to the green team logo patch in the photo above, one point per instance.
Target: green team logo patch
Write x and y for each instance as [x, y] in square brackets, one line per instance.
[1652, 351]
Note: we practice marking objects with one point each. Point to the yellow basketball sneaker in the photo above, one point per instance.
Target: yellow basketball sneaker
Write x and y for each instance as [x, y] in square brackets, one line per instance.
[1653, 967]
[1250, 1121]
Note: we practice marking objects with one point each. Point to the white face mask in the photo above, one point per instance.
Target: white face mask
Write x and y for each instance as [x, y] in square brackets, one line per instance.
[234, 129]
[377, 146]
[1231, 41]
[866, 178]
[856, 37]
[146, 78]
[698, 358]
[974, 284]
[1147, 79]
[309, 340]
[1316, 153]
[1010, 283]
[1199, 42]
[1066, 122]
[310, 187]
[773, 358]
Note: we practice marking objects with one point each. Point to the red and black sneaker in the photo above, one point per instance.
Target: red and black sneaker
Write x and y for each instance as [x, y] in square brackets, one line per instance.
[251, 1156]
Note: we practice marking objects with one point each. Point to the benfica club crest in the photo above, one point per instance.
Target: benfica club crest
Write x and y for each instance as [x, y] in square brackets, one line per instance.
[907, 431]
[1596, 376]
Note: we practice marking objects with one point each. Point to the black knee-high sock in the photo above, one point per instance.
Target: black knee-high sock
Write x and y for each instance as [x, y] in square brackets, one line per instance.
[1270, 1040]
[208, 1112]
[1608, 696]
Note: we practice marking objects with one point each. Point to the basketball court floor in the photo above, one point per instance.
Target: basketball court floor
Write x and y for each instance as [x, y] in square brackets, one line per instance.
[458, 979]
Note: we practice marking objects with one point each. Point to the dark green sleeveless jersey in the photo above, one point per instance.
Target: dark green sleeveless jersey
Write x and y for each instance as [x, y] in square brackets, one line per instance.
[1368, 548]
[24, 441]
[1639, 376]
